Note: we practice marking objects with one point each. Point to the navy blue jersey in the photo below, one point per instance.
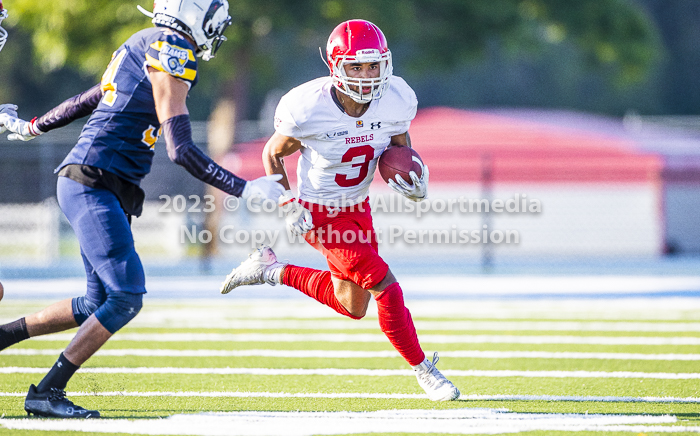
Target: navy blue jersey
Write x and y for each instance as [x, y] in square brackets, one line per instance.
[121, 133]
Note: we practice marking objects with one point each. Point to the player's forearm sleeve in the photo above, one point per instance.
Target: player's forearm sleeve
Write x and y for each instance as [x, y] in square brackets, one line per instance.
[182, 151]
[70, 110]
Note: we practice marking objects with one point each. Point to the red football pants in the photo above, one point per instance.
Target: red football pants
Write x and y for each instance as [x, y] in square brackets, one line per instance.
[347, 239]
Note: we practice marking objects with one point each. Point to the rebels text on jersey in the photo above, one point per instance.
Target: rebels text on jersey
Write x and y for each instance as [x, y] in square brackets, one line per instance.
[121, 133]
[339, 153]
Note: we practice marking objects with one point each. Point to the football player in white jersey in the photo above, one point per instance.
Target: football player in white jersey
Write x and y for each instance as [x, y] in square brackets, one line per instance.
[341, 124]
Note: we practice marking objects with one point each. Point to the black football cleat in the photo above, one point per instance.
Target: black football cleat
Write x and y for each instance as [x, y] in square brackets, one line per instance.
[54, 404]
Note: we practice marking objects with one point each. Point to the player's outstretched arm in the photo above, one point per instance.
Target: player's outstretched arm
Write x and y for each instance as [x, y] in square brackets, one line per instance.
[170, 95]
[65, 113]
[297, 217]
[276, 148]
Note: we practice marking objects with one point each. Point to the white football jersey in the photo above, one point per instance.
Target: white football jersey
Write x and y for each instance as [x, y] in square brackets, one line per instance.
[339, 153]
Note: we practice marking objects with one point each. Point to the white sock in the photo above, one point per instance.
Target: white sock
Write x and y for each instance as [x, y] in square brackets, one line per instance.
[272, 274]
[423, 366]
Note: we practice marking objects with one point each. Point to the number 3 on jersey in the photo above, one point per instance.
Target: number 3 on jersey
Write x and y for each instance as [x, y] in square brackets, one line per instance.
[109, 86]
[363, 150]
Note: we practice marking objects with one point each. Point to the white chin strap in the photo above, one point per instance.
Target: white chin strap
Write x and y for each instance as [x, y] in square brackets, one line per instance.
[149, 14]
[375, 85]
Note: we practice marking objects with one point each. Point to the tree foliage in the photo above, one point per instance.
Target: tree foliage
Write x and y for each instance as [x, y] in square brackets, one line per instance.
[611, 33]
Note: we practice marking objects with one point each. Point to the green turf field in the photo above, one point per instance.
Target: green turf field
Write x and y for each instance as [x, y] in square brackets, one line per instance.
[266, 370]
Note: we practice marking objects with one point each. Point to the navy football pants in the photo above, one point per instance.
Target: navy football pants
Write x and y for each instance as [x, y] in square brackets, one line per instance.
[115, 277]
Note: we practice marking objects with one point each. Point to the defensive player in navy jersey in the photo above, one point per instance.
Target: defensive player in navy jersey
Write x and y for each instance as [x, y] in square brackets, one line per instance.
[142, 92]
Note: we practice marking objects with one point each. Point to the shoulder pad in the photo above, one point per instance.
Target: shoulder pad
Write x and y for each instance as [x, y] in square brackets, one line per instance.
[399, 102]
[172, 53]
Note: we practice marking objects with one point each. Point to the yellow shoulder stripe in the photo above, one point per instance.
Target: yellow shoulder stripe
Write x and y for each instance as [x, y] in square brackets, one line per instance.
[158, 45]
[188, 74]
[155, 63]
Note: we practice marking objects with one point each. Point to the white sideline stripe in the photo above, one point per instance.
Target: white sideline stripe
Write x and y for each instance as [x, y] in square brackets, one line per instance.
[418, 284]
[157, 319]
[459, 421]
[205, 312]
[580, 399]
[435, 339]
[330, 354]
[364, 372]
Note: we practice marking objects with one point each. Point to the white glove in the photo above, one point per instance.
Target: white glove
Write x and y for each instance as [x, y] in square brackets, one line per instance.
[263, 188]
[21, 130]
[297, 217]
[9, 109]
[419, 190]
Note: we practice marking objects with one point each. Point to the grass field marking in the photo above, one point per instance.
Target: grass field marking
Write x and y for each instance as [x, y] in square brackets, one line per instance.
[448, 284]
[456, 421]
[329, 354]
[569, 398]
[435, 339]
[205, 312]
[196, 321]
[641, 430]
[366, 372]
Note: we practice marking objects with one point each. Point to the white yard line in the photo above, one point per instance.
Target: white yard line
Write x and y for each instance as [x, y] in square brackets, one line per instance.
[187, 320]
[218, 311]
[435, 339]
[460, 421]
[573, 398]
[476, 285]
[364, 372]
[331, 354]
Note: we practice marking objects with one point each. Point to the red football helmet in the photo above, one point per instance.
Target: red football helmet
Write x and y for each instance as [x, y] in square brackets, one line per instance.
[358, 41]
[3, 32]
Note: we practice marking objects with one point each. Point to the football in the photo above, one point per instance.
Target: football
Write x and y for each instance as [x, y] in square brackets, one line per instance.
[399, 160]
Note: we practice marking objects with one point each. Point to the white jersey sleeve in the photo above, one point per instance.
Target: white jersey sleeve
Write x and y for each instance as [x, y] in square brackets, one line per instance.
[297, 111]
[284, 121]
[399, 105]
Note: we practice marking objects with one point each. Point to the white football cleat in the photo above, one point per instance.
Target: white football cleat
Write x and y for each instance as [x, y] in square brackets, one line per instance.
[260, 267]
[433, 382]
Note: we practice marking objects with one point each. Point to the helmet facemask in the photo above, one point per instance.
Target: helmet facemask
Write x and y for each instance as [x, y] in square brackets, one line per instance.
[216, 20]
[206, 28]
[351, 86]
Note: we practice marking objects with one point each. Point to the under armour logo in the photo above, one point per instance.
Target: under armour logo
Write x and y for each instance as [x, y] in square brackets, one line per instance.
[377, 125]
[131, 310]
[59, 364]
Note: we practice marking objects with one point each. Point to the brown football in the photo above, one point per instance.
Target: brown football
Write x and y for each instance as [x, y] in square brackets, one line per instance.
[399, 160]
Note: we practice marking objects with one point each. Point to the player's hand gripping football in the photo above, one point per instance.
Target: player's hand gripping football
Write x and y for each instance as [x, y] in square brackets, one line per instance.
[263, 188]
[21, 130]
[297, 217]
[419, 190]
